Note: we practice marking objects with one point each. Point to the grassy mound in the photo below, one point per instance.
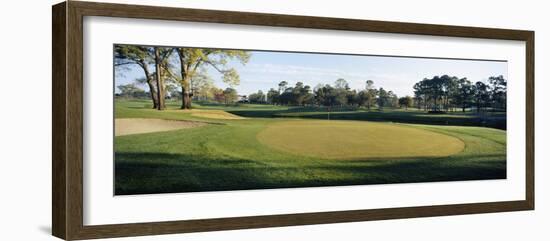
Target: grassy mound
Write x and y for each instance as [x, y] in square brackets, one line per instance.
[355, 139]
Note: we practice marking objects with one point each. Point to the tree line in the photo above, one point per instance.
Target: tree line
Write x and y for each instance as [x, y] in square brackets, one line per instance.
[437, 94]
[339, 94]
[182, 73]
[444, 93]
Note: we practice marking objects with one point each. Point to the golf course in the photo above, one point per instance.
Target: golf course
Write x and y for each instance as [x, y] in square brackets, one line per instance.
[190, 119]
[255, 146]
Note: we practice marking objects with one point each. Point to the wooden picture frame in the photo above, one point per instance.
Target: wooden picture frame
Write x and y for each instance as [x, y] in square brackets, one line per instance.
[67, 156]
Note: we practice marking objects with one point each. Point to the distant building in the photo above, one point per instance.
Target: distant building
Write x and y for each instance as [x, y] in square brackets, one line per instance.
[243, 99]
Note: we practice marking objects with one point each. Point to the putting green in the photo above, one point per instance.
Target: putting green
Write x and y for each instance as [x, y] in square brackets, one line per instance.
[356, 140]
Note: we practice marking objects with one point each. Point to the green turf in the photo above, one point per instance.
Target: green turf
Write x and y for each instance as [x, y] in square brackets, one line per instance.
[227, 155]
[349, 140]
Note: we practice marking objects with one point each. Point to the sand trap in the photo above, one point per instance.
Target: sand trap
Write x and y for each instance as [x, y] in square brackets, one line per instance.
[215, 114]
[139, 126]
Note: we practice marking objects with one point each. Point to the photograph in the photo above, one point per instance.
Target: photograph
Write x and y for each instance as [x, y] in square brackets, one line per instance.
[190, 119]
[180, 121]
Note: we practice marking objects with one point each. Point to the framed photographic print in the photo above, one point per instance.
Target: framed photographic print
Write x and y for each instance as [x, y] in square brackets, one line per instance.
[171, 120]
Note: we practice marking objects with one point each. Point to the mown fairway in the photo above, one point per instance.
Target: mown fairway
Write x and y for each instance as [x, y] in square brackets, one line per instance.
[230, 152]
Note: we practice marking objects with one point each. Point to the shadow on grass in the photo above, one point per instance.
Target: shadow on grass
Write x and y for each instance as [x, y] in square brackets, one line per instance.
[414, 117]
[147, 173]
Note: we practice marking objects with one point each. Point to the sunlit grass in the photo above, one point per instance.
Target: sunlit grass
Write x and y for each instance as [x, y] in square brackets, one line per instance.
[227, 155]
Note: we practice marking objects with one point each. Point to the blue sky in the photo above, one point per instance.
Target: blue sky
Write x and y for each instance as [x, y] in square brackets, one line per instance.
[266, 69]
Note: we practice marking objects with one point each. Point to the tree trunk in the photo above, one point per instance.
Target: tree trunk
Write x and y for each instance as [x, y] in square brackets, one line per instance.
[186, 97]
[185, 85]
[183, 101]
[154, 96]
[150, 82]
[160, 87]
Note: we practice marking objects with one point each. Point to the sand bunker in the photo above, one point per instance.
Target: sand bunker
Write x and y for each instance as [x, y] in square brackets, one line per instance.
[139, 126]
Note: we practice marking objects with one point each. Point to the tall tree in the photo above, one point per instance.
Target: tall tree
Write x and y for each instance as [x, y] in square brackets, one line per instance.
[450, 86]
[353, 98]
[464, 94]
[421, 94]
[273, 96]
[230, 95]
[370, 94]
[406, 102]
[340, 92]
[161, 70]
[324, 95]
[341, 84]
[158, 77]
[393, 100]
[142, 57]
[498, 91]
[282, 86]
[257, 98]
[481, 94]
[436, 92]
[301, 94]
[201, 85]
[191, 61]
[382, 98]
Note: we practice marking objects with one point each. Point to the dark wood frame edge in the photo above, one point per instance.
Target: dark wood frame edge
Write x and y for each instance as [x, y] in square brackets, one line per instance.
[59, 195]
[67, 54]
